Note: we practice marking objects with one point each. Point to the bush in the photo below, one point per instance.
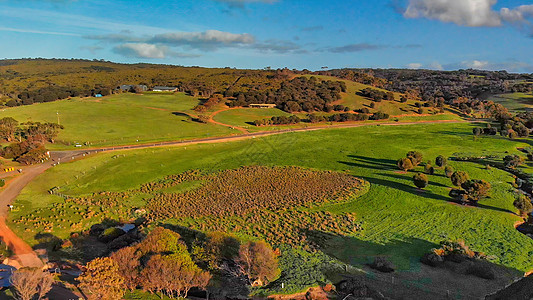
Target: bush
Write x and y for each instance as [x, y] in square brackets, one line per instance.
[420, 180]
[2, 182]
[441, 161]
[523, 204]
[476, 189]
[383, 265]
[512, 161]
[448, 171]
[415, 157]
[405, 164]
[459, 177]
[428, 169]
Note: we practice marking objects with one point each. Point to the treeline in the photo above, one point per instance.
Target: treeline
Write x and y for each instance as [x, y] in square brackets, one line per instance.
[28, 81]
[376, 95]
[430, 84]
[317, 118]
[298, 94]
[163, 263]
[30, 138]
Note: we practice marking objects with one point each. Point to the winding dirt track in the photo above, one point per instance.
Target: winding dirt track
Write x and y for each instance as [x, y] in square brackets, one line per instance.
[24, 254]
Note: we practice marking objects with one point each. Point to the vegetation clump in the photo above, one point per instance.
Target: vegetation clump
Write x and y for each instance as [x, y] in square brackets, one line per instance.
[458, 257]
[441, 161]
[512, 161]
[415, 157]
[250, 189]
[459, 177]
[405, 164]
[420, 180]
[523, 204]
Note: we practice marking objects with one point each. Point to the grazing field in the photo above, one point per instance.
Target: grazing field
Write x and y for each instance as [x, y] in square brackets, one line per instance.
[119, 119]
[516, 102]
[392, 218]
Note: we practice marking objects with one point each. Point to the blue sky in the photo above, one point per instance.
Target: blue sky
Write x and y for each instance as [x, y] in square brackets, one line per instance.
[436, 34]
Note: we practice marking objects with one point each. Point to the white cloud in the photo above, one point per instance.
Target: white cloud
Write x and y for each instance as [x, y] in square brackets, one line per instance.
[142, 50]
[518, 14]
[473, 13]
[475, 64]
[37, 31]
[202, 40]
[435, 66]
[510, 66]
[414, 65]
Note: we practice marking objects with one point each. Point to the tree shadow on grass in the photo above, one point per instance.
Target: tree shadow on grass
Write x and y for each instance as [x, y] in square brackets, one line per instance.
[384, 163]
[406, 188]
[410, 179]
[412, 279]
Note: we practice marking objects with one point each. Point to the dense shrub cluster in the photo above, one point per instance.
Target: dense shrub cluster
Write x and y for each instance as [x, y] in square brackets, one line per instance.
[298, 94]
[342, 117]
[250, 189]
[291, 227]
[283, 120]
[376, 95]
[458, 253]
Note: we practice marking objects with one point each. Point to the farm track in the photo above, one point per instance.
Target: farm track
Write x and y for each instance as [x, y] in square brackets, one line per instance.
[25, 256]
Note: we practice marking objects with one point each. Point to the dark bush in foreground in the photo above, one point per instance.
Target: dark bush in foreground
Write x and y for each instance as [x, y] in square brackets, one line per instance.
[383, 265]
[420, 180]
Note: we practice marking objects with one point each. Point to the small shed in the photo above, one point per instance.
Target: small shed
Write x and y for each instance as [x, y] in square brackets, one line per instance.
[164, 89]
[262, 105]
[98, 95]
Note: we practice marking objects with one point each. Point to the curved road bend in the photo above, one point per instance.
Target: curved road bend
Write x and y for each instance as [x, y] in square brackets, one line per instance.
[25, 255]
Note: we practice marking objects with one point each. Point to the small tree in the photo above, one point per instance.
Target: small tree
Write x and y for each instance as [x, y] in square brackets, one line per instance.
[128, 266]
[102, 279]
[459, 177]
[441, 161]
[405, 164]
[420, 180]
[476, 190]
[428, 169]
[523, 204]
[29, 282]
[448, 171]
[512, 161]
[258, 262]
[415, 157]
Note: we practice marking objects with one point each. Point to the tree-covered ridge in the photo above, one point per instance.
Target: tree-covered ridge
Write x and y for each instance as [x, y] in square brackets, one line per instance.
[298, 94]
[40, 80]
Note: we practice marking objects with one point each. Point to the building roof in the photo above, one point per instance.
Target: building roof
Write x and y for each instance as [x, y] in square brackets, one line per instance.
[163, 88]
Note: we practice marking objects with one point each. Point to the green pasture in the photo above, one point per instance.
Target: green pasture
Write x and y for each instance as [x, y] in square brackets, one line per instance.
[398, 220]
[515, 102]
[119, 119]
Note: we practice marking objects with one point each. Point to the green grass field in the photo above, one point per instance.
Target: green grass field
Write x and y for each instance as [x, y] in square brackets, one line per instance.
[393, 210]
[119, 119]
[516, 102]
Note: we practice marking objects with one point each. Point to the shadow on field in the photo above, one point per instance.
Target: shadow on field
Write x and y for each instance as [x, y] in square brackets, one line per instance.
[410, 178]
[411, 279]
[406, 188]
[372, 163]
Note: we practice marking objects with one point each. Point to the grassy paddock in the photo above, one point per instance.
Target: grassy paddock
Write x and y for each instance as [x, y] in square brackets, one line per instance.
[515, 102]
[396, 219]
[119, 119]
